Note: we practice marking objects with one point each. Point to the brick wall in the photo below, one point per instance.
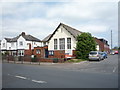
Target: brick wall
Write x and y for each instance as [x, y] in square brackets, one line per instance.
[42, 52]
[28, 52]
[58, 54]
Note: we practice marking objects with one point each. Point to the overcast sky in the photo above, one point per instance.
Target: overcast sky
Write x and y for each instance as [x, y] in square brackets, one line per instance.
[41, 18]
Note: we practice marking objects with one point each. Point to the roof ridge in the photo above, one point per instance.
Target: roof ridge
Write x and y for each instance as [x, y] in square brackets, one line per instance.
[69, 27]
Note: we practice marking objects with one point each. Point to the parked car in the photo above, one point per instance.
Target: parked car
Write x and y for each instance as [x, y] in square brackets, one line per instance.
[116, 52]
[104, 54]
[95, 55]
[112, 52]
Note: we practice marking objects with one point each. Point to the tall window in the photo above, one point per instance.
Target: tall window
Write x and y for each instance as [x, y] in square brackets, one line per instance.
[62, 43]
[55, 43]
[68, 43]
[21, 43]
[21, 52]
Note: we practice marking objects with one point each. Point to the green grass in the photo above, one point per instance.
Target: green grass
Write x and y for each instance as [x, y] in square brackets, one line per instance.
[75, 60]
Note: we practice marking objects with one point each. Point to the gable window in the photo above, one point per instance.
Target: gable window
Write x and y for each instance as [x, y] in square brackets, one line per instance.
[3, 44]
[21, 43]
[68, 43]
[38, 51]
[62, 43]
[51, 52]
[55, 43]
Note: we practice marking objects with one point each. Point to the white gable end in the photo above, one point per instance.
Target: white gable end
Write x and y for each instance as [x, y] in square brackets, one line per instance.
[62, 33]
[21, 43]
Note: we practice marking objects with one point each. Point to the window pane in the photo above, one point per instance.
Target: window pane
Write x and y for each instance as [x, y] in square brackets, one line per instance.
[62, 43]
[55, 43]
[68, 43]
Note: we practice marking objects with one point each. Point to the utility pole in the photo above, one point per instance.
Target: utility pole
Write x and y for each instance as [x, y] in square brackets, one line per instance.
[111, 39]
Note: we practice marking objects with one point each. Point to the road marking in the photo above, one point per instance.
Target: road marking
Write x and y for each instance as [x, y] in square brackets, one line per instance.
[25, 78]
[39, 81]
[21, 77]
[114, 69]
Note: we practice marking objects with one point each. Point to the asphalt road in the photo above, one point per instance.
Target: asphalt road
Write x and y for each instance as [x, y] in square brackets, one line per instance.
[100, 74]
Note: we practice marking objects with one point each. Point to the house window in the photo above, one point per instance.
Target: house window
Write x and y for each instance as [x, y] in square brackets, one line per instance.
[3, 44]
[21, 43]
[55, 43]
[44, 43]
[62, 43]
[68, 43]
[51, 52]
[38, 51]
[20, 52]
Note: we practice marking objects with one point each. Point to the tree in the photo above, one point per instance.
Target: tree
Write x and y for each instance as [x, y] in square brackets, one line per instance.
[85, 44]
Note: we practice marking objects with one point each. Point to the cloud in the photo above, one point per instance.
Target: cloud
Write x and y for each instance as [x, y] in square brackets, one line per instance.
[41, 18]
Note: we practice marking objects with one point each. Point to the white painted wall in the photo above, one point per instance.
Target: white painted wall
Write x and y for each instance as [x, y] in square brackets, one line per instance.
[62, 33]
[21, 39]
[3, 41]
[97, 47]
[13, 45]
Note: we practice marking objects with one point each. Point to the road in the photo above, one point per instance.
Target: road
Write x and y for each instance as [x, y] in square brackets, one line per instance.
[100, 74]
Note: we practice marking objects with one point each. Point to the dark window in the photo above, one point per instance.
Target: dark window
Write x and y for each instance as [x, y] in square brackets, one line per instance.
[55, 43]
[3, 44]
[68, 43]
[21, 43]
[62, 43]
[51, 52]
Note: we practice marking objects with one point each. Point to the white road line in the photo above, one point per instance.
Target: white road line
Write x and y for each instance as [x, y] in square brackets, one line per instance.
[114, 69]
[25, 78]
[21, 77]
[39, 81]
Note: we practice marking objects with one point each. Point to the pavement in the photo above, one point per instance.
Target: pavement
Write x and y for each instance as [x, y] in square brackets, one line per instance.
[87, 74]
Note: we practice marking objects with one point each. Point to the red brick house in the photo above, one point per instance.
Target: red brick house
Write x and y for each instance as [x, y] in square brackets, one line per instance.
[102, 45]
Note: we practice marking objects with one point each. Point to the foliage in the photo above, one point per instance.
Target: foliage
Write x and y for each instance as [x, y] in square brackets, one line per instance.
[85, 44]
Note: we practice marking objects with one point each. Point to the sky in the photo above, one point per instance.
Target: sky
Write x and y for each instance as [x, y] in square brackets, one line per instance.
[41, 17]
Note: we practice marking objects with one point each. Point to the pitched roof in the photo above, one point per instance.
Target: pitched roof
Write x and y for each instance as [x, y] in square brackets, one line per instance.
[8, 39]
[30, 38]
[26, 37]
[71, 30]
[47, 38]
[74, 32]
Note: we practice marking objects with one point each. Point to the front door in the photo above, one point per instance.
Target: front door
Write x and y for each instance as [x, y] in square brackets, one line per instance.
[46, 53]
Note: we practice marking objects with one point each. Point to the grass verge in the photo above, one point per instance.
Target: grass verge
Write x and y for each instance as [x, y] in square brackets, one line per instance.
[75, 60]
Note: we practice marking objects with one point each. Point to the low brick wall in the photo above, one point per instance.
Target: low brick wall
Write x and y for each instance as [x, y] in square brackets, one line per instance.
[37, 59]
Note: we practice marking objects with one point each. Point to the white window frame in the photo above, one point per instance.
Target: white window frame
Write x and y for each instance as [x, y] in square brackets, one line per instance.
[38, 51]
[68, 43]
[55, 44]
[62, 43]
[21, 43]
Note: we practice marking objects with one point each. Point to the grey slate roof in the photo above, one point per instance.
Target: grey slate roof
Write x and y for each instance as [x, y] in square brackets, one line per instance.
[71, 30]
[8, 39]
[46, 38]
[26, 37]
[30, 38]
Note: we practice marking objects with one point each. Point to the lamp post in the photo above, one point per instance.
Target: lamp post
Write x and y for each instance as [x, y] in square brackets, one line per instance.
[111, 39]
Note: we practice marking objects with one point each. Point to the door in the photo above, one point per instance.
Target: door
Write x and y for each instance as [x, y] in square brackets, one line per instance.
[46, 53]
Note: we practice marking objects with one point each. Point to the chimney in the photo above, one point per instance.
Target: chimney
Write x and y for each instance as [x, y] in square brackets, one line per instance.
[23, 33]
